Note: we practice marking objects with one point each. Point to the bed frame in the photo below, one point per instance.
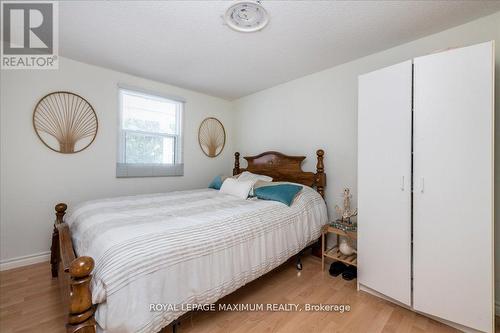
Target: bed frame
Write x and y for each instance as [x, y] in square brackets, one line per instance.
[285, 168]
[74, 272]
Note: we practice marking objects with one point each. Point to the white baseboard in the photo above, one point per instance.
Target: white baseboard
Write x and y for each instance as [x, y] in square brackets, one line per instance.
[25, 260]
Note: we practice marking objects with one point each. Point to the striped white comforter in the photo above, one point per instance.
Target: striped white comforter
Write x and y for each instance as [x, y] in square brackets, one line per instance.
[184, 247]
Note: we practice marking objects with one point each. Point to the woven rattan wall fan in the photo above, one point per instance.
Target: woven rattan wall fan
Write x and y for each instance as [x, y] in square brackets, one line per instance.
[65, 122]
[211, 137]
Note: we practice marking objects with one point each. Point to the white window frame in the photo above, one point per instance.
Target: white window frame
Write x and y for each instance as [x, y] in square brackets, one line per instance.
[125, 170]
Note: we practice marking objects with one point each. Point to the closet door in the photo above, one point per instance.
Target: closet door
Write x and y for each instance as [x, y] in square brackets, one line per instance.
[384, 171]
[453, 185]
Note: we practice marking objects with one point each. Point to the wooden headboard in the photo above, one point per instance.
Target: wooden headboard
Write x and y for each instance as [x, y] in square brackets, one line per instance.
[285, 168]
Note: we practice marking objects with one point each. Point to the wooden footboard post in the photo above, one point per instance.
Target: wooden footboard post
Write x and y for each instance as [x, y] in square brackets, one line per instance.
[81, 310]
[55, 256]
[54, 252]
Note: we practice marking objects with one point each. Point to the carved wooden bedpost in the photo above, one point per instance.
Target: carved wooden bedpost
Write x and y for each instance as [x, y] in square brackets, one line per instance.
[54, 248]
[320, 173]
[320, 187]
[81, 310]
[236, 169]
[60, 212]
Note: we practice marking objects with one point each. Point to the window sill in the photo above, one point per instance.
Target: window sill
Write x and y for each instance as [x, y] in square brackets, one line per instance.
[126, 170]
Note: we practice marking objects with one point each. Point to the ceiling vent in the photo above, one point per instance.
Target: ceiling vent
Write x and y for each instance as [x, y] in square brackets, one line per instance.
[246, 16]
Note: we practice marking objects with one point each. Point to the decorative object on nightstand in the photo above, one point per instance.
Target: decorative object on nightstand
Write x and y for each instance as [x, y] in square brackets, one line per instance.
[345, 246]
[346, 212]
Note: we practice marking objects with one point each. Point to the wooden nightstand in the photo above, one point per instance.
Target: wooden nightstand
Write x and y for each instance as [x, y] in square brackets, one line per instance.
[334, 252]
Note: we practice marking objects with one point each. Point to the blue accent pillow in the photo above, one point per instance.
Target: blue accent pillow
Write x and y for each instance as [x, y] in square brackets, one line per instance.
[284, 193]
[216, 183]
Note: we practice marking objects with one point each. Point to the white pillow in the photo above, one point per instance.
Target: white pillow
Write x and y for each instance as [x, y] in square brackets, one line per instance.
[236, 187]
[254, 177]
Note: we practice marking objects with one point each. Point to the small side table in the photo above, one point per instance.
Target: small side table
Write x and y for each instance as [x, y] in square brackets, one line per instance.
[334, 252]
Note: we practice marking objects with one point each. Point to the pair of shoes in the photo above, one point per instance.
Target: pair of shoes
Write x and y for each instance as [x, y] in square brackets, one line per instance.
[350, 273]
[337, 268]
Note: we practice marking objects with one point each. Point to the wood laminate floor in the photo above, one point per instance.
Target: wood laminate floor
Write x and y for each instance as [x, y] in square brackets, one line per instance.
[29, 297]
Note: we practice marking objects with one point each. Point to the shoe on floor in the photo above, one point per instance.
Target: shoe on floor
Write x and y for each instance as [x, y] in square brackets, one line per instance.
[350, 273]
[337, 268]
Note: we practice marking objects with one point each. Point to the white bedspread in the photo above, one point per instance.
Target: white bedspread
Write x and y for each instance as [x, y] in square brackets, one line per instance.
[184, 247]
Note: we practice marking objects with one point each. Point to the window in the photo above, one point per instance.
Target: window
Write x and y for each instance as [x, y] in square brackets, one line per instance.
[150, 135]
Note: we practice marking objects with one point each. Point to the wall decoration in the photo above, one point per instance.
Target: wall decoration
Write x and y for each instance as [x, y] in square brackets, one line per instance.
[65, 122]
[211, 137]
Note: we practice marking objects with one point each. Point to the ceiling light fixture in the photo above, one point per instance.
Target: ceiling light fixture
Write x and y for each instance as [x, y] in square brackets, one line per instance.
[246, 16]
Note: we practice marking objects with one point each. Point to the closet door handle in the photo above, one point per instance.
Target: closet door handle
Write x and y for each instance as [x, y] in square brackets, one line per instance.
[402, 183]
[422, 185]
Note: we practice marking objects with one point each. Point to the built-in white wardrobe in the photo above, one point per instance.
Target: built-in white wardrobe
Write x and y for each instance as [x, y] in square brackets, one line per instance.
[425, 185]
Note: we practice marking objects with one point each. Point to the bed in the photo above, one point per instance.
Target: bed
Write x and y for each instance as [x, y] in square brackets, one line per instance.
[117, 258]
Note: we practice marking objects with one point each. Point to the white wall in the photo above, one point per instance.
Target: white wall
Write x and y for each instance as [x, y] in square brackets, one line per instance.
[34, 178]
[320, 111]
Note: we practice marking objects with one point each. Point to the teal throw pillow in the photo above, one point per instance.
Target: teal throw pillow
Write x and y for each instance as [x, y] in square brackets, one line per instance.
[284, 193]
[216, 183]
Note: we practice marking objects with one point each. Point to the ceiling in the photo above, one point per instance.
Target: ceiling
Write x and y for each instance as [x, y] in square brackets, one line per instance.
[185, 43]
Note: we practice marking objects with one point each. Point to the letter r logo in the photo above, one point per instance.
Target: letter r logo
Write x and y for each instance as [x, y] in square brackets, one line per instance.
[27, 28]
